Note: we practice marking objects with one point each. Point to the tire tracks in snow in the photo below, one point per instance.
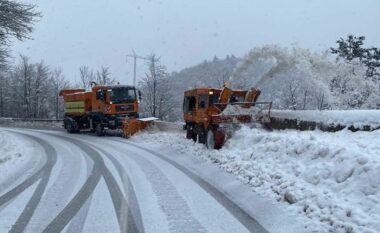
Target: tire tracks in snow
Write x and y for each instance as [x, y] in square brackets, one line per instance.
[43, 174]
[134, 210]
[99, 170]
[171, 203]
[243, 217]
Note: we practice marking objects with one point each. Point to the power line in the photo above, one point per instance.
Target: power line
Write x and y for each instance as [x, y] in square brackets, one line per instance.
[135, 57]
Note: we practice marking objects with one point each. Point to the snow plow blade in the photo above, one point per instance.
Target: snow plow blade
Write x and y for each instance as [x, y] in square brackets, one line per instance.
[132, 126]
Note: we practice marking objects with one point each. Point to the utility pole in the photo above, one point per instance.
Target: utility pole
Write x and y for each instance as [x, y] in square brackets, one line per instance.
[135, 57]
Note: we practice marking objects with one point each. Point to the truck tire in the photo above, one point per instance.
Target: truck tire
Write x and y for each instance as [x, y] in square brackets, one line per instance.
[190, 134]
[194, 137]
[99, 130]
[70, 128]
[215, 139]
[202, 137]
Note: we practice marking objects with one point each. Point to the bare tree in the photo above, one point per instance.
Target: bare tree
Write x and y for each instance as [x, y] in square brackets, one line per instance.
[86, 76]
[103, 76]
[58, 83]
[38, 88]
[156, 89]
[25, 73]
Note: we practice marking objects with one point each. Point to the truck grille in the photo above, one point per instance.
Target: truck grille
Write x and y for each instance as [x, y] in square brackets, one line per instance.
[124, 108]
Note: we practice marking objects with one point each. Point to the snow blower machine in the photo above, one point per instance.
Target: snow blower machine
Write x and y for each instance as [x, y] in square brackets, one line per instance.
[211, 115]
[103, 108]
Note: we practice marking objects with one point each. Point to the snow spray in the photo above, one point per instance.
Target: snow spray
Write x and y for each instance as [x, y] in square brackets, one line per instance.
[282, 62]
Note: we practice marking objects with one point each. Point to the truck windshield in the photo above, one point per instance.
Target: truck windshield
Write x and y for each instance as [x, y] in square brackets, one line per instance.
[122, 95]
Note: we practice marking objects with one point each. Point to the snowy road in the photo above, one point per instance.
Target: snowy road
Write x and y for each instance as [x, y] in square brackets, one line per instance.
[81, 183]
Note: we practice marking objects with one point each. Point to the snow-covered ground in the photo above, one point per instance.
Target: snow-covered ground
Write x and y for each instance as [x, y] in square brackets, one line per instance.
[356, 118]
[332, 180]
[15, 156]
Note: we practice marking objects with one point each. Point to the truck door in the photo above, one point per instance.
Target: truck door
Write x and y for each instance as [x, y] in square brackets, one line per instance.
[203, 101]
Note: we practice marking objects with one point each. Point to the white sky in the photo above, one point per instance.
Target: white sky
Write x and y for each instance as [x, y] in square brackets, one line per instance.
[186, 32]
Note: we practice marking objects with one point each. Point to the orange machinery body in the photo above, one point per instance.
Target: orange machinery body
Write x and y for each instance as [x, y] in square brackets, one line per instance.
[203, 111]
[215, 101]
[102, 107]
[92, 104]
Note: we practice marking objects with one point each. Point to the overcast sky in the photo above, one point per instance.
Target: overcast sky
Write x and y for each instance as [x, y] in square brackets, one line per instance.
[186, 32]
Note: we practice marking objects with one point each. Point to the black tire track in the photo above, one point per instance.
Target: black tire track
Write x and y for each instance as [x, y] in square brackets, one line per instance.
[242, 216]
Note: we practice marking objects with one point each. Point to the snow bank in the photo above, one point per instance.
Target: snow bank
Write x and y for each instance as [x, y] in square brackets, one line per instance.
[331, 180]
[356, 118]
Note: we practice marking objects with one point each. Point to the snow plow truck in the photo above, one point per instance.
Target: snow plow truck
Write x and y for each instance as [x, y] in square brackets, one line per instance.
[102, 108]
[211, 114]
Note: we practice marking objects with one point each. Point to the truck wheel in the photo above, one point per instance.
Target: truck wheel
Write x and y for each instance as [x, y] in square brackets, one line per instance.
[70, 127]
[99, 130]
[202, 137]
[189, 134]
[194, 137]
[215, 139]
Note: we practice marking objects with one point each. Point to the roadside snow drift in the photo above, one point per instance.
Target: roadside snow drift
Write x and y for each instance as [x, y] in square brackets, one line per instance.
[332, 180]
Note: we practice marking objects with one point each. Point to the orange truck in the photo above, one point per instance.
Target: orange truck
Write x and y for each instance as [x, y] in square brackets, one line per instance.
[207, 119]
[102, 108]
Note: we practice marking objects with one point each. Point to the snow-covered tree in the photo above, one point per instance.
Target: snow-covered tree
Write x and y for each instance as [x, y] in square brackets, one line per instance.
[292, 78]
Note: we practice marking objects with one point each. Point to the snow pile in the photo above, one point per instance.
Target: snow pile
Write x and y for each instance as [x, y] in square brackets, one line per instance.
[332, 180]
[259, 109]
[356, 118]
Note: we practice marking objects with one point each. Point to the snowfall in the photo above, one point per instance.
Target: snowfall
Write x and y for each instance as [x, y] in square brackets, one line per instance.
[330, 180]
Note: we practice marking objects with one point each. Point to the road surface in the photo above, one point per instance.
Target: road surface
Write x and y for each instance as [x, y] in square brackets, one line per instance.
[82, 183]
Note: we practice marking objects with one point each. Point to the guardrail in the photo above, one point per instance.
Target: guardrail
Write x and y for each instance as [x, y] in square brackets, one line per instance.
[36, 120]
[31, 123]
